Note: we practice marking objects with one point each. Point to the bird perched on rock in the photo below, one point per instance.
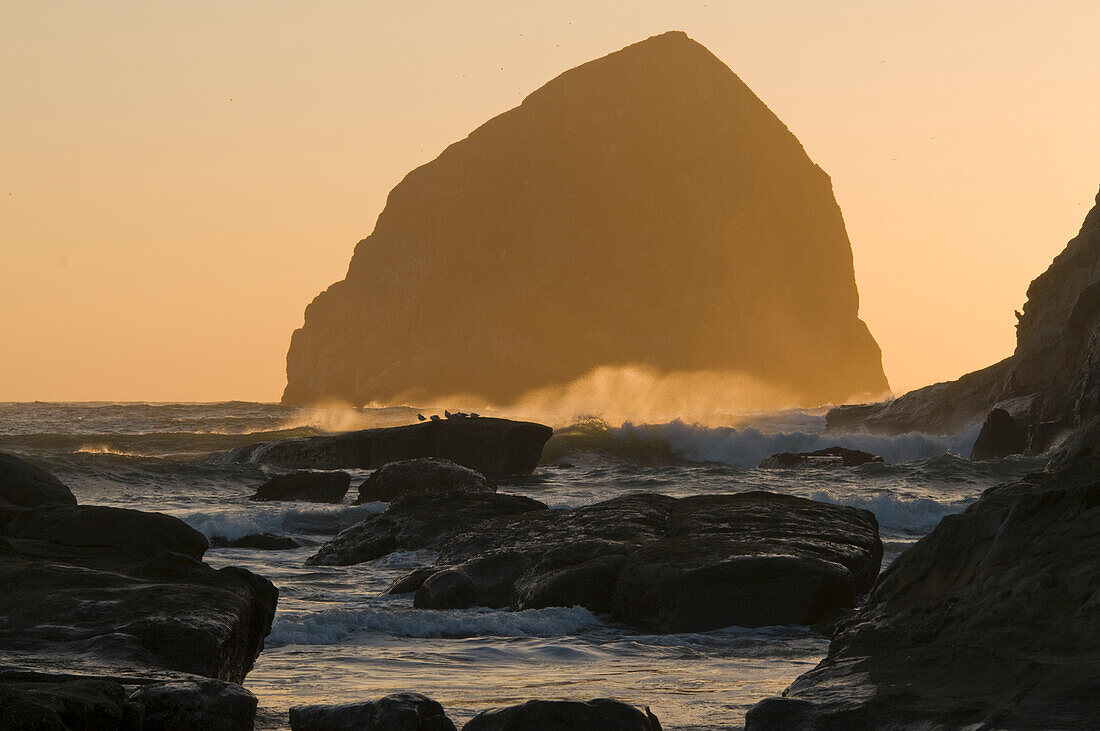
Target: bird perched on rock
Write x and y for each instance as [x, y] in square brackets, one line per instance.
[421, 417]
[435, 417]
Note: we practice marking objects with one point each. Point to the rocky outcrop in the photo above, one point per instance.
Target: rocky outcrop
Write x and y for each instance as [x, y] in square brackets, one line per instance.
[1050, 385]
[195, 705]
[26, 486]
[256, 541]
[990, 621]
[652, 170]
[412, 476]
[652, 561]
[1001, 436]
[417, 521]
[397, 712]
[314, 487]
[493, 447]
[828, 457]
[600, 713]
[122, 596]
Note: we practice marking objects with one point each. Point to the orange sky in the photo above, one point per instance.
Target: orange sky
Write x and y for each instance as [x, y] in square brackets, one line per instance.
[178, 180]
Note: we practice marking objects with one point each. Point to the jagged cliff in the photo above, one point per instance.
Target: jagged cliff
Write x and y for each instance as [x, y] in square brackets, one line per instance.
[1048, 384]
[645, 208]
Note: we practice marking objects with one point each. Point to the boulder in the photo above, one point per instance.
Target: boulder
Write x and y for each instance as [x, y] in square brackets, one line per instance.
[828, 457]
[397, 712]
[1000, 436]
[417, 521]
[256, 541]
[195, 705]
[1055, 369]
[315, 487]
[137, 533]
[420, 475]
[663, 564]
[97, 591]
[494, 447]
[601, 713]
[68, 706]
[989, 621]
[652, 170]
[26, 486]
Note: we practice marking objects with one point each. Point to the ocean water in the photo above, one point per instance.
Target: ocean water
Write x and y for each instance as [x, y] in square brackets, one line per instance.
[336, 638]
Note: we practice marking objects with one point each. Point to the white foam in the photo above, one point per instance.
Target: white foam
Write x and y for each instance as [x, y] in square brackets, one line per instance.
[916, 515]
[748, 447]
[332, 626]
[327, 520]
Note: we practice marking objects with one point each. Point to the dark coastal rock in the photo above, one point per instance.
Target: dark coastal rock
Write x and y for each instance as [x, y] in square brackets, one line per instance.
[315, 487]
[195, 705]
[90, 527]
[97, 591]
[68, 706]
[1049, 385]
[417, 521]
[653, 169]
[397, 712]
[601, 713]
[656, 562]
[990, 621]
[828, 457]
[420, 475]
[493, 447]
[257, 541]
[1001, 436]
[26, 486]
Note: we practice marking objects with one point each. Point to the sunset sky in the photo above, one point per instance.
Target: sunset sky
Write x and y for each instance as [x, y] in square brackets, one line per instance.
[180, 179]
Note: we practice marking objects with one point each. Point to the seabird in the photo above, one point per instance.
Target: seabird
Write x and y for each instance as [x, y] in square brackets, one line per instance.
[421, 417]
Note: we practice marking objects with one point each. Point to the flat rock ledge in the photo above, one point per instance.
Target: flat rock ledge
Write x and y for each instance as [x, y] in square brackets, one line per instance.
[828, 457]
[397, 712]
[98, 601]
[314, 487]
[494, 447]
[648, 560]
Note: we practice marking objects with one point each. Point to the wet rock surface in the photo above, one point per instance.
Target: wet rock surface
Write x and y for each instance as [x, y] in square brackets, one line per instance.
[600, 713]
[195, 705]
[397, 712]
[990, 621]
[121, 596]
[415, 522]
[828, 457]
[429, 474]
[257, 541]
[316, 487]
[493, 447]
[652, 561]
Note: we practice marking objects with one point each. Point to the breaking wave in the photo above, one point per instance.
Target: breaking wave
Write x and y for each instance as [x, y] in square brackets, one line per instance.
[280, 520]
[333, 625]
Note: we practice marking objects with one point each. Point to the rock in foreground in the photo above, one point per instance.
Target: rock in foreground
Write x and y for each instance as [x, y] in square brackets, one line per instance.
[652, 170]
[397, 712]
[314, 487]
[828, 457]
[1001, 436]
[411, 476]
[652, 561]
[601, 713]
[493, 447]
[990, 621]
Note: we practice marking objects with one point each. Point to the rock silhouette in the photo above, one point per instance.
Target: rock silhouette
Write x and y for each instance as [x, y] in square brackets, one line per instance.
[1049, 386]
[644, 209]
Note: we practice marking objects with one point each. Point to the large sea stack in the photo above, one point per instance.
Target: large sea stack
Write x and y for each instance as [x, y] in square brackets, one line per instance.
[645, 208]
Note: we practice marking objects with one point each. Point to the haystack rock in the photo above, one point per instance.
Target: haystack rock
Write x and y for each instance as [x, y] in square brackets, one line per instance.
[642, 209]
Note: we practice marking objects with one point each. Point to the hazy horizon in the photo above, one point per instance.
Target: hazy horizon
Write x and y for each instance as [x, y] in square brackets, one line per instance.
[182, 180]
